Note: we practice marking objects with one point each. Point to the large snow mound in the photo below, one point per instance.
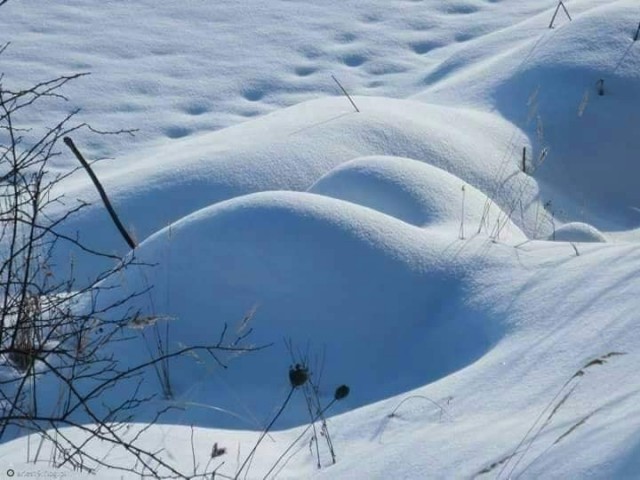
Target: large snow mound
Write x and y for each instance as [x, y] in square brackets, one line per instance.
[321, 272]
[290, 150]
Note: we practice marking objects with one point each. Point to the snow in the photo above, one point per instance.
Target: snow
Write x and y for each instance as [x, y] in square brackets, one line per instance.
[417, 193]
[547, 85]
[404, 248]
[290, 150]
[174, 71]
[321, 272]
[578, 232]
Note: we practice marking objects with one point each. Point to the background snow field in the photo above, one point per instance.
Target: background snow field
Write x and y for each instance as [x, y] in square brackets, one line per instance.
[406, 248]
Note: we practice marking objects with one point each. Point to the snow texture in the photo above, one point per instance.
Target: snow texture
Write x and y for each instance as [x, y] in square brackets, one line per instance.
[404, 249]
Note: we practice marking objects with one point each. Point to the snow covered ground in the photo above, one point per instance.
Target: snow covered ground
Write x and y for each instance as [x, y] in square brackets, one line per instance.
[404, 248]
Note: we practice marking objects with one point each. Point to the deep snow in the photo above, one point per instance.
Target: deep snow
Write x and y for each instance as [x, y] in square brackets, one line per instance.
[403, 244]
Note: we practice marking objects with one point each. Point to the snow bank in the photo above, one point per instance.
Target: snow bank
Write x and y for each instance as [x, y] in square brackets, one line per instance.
[291, 150]
[174, 71]
[367, 293]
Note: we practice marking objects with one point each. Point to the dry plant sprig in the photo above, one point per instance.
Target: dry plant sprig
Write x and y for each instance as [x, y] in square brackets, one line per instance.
[553, 19]
[294, 386]
[393, 414]
[461, 231]
[560, 399]
[443, 411]
[341, 392]
[298, 376]
[311, 392]
[565, 434]
[346, 94]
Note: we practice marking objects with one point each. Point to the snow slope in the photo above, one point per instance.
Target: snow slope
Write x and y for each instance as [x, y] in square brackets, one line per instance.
[402, 247]
[314, 267]
[578, 232]
[290, 150]
[415, 192]
[173, 70]
[546, 83]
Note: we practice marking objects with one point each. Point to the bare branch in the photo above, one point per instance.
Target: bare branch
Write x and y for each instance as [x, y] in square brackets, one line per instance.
[55, 331]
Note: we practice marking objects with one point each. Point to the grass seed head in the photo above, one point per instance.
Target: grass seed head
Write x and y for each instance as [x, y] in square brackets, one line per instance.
[341, 392]
[298, 375]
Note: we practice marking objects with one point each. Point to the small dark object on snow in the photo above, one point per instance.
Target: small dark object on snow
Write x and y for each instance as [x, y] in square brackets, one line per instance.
[217, 451]
[298, 375]
[341, 392]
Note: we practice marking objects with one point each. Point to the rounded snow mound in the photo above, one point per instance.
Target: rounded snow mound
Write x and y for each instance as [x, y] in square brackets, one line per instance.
[289, 149]
[583, 87]
[414, 192]
[578, 232]
[367, 298]
[574, 91]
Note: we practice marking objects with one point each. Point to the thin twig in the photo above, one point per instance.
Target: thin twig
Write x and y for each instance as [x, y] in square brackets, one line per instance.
[266, 430]
[566, 11]
[560, 4]
[69, 143]
[322, 412]
[345, 93]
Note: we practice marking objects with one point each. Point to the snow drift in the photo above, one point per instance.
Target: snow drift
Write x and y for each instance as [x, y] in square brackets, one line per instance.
[320, 272]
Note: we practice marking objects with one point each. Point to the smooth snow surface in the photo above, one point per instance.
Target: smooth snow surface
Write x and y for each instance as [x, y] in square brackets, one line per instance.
[458, 252]
[367, 291]
[291, 150]
[415, 192]
[578, 232]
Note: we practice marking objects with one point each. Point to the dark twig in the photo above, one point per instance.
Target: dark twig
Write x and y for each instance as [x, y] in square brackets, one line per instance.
[553, 19]
[264, 433]
[566, 11]
[129, 131]
[302, 434]
[345, 93]
[69, 143]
